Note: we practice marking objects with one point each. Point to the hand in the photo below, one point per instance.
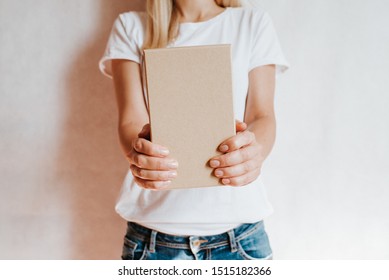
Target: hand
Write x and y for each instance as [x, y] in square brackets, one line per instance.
[149, 162]
[242, 159]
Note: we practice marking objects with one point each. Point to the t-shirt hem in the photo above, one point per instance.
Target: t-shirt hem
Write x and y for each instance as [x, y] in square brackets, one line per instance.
[191, 228]
[107, 70]
[281, 66]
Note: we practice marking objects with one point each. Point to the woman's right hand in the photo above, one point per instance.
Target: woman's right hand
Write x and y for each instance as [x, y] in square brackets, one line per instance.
[149, 163]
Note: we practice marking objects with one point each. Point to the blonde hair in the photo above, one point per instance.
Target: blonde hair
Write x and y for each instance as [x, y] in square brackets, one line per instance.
[162, 21]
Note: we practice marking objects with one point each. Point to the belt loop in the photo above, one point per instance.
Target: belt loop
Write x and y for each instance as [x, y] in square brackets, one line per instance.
[233, 244]
[153, 240]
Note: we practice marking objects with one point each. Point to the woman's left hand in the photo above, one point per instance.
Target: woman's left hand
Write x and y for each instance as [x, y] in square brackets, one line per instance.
[242, 159]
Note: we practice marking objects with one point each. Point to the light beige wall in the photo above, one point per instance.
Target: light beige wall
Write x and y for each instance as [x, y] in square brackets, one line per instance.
[61, 165]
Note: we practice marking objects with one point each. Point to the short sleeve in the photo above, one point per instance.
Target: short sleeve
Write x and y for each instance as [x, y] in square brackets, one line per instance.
[265, 47]
[122, 42]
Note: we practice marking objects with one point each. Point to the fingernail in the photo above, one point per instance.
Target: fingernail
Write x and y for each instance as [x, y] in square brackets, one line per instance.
[223, 148]
[219, 173]
[173, 164]
[164, 152]
[172, 174]
[225, 181]
[214, 163]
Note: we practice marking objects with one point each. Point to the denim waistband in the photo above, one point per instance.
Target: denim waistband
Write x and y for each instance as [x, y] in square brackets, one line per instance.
[192, 242]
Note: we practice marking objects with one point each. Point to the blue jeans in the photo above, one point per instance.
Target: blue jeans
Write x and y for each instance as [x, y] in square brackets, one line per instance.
[246, 242]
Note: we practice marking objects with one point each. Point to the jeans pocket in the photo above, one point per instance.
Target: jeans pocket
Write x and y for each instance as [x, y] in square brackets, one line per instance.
[134, 250]
[256, 246]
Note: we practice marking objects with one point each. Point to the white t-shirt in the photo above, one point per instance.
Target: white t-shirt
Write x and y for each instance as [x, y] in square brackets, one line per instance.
[212, 210]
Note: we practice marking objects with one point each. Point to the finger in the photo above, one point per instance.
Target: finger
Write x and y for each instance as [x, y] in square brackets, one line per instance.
[238, 141]
[242, 180]
[151, 163]
[151, 185]
[145, 132]
[235, 157]
[146, 147]
[153, 175]
[238, 170]
[240, 126]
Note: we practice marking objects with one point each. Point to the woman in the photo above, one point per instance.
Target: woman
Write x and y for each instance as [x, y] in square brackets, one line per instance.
[224, 222]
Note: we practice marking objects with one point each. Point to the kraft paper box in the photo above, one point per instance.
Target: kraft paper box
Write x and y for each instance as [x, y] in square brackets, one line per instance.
[190, 99]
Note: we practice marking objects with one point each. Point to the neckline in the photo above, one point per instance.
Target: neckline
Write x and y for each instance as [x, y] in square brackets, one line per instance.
[205, 22]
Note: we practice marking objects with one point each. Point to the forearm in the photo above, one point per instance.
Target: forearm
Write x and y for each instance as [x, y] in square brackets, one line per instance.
[127, 133]
[132, 112]
[264, 129]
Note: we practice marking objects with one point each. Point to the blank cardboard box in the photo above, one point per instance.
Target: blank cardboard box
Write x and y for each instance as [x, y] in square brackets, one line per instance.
[190, 101]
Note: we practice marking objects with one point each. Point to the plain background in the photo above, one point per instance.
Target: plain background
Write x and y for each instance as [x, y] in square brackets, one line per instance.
[61, 166]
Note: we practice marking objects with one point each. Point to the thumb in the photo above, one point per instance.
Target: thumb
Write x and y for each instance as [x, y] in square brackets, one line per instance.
[240, 126]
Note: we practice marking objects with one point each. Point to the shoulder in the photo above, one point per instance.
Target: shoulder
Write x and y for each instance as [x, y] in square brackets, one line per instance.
[133, 17]
[250, 14]
[132, 21]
